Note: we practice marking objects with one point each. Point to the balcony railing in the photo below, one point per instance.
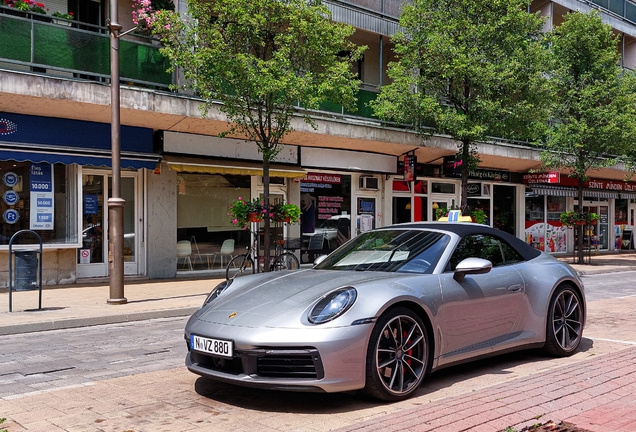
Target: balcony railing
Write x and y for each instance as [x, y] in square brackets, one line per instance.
[45, 44]
[56, 46]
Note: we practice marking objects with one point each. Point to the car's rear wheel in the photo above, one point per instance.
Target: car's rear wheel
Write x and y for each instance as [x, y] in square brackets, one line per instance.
[565, 322]
[397, 357]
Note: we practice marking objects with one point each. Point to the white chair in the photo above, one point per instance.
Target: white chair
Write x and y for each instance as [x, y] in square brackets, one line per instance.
[227, 249]
[184, 250]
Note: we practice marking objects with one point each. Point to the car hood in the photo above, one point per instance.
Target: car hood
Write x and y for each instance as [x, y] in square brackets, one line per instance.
[279, 298]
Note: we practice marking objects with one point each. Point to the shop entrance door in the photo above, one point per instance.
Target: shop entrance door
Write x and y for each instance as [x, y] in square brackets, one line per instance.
[92, 256]
[599, 231]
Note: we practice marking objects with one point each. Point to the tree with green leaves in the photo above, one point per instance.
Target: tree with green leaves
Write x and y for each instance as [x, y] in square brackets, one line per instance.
[594, 109]
[467, 69]
[257, 61]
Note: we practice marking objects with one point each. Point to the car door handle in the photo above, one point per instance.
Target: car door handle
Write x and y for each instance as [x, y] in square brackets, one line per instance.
[515, 288]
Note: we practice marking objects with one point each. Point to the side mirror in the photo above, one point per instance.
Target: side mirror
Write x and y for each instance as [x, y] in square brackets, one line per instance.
[320, 259]
[471, 266]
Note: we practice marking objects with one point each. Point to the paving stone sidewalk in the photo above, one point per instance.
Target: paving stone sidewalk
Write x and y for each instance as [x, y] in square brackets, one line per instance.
[597, 395]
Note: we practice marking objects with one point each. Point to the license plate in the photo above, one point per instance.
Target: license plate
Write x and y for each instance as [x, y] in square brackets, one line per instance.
[218, 347]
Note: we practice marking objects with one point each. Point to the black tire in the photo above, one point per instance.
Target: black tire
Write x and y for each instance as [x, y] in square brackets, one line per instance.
[394, 373]
[564, 327]
[286, 261]
[238, 266]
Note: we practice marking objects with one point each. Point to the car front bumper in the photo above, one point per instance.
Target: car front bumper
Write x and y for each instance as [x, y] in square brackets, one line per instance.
[315, 359]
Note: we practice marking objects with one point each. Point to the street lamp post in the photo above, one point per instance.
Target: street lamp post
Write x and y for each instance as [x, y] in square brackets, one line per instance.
[115, 202]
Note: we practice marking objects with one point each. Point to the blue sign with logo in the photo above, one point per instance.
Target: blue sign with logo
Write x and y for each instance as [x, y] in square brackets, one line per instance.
[11, 197]
[10, 179]
[11, 216]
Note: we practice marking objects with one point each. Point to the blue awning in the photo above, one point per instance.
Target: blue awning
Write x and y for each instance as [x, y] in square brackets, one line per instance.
[71, 156]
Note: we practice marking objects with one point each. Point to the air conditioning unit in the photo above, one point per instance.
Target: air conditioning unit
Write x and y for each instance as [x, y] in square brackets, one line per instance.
[369, 183]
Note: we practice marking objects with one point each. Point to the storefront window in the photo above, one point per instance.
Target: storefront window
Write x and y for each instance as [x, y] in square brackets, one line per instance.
[620, 221]
[503, 208]
[203, 224]
[409, 197]
[556, 234]
[325, 201]
[544, 231]
[535, 226]
[40, 197]
[443, 188]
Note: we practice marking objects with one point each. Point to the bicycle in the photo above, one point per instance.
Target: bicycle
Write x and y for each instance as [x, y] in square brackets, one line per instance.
[284, 258]
[243, 264]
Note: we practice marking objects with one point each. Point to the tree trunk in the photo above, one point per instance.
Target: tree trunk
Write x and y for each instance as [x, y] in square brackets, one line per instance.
[580, 228]
[465, 171]
[266, 220]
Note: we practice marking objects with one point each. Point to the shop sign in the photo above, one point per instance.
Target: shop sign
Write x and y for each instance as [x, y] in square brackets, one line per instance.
[453, 168]
[473, 189]
[547, 177]
[322, 178]
[410, 162]
[610, 185]
[554, 178]
[42, 196]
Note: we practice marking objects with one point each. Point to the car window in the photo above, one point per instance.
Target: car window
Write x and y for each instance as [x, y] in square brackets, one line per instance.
[510, 255]
[477, 246]
[496, 251]
[410, 251]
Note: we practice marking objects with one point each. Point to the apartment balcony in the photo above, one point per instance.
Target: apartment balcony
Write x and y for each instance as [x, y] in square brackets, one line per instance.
[58, 47]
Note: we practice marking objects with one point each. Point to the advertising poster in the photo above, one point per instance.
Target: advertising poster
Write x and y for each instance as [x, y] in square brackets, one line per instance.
[42, 199]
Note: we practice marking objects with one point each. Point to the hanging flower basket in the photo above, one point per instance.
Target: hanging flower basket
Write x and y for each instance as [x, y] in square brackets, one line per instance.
[285, 212]
[254, 217]
[243, 212]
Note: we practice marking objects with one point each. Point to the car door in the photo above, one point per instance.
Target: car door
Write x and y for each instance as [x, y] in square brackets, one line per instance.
[483, 310]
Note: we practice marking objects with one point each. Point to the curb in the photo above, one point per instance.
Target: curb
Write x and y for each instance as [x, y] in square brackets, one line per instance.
[92, 321]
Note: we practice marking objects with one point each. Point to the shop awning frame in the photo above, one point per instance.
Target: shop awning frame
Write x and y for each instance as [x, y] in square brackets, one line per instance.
[572, 192]
[193, 165]
[84, 157]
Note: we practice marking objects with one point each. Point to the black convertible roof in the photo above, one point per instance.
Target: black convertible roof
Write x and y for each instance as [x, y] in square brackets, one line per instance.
[463, 229]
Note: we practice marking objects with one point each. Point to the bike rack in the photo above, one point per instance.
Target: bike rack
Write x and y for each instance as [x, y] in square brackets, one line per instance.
[29, 259]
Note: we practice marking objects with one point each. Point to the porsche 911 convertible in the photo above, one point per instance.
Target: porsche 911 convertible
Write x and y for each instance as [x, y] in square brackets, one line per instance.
[385, 309]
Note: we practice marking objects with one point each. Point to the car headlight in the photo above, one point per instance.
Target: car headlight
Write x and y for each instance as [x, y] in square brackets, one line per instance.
[333, 305]
[217, 291]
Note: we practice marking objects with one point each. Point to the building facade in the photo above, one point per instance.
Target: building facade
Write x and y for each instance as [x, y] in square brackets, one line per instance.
[351, 174]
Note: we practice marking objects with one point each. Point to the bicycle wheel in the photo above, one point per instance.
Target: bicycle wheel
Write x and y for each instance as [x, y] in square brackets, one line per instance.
[286, 261]
[238, 266]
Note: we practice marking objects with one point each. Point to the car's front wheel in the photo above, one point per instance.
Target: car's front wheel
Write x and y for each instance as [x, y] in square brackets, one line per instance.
[397, 357]
[565, 322]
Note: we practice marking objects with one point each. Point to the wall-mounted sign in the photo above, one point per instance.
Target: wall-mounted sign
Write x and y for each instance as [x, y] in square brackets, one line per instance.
[10, 197]
[42, 197]
[410, 162]
[10, 179]
[11, 216]
[547, 177]
[453, 168]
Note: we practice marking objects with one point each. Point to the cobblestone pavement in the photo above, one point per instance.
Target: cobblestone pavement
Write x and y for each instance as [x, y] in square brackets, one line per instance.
[593, 390]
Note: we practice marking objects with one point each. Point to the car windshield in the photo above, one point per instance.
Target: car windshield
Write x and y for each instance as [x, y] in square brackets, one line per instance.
[405, 251]
[329, 224]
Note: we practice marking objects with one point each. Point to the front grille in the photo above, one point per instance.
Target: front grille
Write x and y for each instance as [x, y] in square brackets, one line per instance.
[232, 366]
[290, 364]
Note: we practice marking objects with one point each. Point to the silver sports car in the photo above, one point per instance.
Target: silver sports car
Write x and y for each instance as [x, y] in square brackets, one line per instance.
[385, 309]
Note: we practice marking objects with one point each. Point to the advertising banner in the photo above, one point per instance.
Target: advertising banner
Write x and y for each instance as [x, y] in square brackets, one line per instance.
[42, 196]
